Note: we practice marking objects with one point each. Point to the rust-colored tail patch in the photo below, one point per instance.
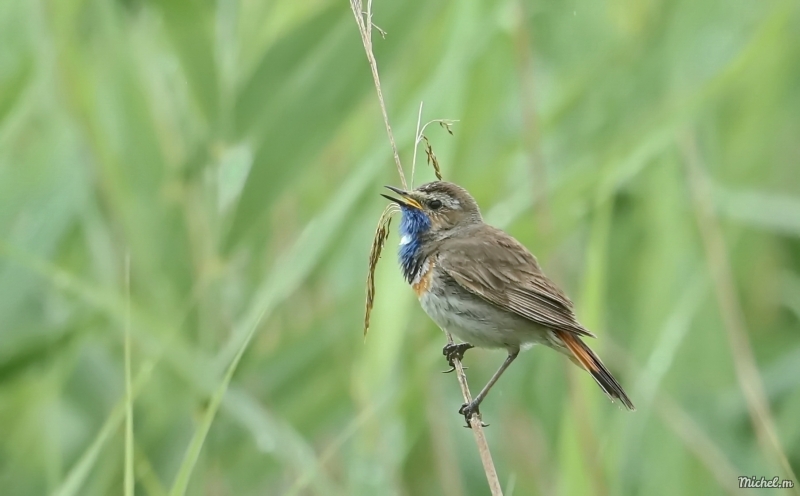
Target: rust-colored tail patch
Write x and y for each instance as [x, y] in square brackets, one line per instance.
[583, 355]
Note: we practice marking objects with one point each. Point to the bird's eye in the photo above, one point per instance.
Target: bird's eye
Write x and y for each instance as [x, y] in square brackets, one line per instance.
[435, 204]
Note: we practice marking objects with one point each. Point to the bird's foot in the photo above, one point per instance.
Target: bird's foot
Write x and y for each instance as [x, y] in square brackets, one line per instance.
[452, 351]
[469, 409]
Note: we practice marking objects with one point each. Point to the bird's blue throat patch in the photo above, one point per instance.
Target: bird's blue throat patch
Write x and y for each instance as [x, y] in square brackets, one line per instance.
[413, 225]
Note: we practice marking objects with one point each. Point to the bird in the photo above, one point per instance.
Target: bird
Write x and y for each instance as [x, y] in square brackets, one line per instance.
[483, 286]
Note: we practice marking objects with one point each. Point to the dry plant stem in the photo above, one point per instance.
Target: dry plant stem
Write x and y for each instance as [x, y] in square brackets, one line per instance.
[731, 310]
[477, 428]
[416, 142]
[365, 28]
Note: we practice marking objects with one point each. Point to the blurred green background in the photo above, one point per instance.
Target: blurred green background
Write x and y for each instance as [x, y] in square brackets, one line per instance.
[193, 174]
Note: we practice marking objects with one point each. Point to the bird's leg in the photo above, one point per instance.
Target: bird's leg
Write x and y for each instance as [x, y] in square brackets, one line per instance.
[453, 351]
[467, 409]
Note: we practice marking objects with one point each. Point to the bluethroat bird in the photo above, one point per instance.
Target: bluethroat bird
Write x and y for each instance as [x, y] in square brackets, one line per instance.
[484, 287]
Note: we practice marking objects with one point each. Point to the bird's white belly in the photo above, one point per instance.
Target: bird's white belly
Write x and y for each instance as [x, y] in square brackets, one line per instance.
[480, 323]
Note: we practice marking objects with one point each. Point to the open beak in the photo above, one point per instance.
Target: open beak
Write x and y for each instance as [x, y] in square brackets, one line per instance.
[405, 199]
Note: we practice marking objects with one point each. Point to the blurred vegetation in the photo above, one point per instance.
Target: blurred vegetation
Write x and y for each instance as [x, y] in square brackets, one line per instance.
[234, 150]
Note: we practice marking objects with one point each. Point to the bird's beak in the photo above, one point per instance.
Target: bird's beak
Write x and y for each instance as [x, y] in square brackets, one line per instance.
[405, 200]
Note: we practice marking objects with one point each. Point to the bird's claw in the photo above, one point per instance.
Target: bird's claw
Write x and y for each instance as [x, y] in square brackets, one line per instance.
[467, 410]
[452, 368]
[452, 352]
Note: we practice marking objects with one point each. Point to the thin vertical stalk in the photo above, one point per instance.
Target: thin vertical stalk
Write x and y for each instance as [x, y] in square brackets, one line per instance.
[129, 469]
[364, 22]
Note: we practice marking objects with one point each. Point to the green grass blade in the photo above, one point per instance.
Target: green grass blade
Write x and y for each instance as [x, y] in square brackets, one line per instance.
[129, 470]
[288, 273]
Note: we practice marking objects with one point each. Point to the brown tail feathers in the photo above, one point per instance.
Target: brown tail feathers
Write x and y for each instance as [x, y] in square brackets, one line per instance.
[583, 356]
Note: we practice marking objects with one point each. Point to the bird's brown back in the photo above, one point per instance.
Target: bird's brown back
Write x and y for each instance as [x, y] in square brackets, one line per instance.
[503, 272]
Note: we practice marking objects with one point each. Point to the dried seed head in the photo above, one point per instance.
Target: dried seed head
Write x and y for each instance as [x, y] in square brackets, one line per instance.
[448, 125]
[432, 157]
[381, 233]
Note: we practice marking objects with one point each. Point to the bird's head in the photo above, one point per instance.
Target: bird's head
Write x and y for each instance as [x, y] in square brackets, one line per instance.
[435, 209]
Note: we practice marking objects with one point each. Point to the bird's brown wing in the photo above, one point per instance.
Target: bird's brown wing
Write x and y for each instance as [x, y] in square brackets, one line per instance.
[489, 263]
